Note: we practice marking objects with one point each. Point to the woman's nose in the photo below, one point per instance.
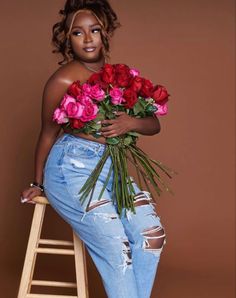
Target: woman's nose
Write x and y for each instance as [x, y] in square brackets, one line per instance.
[88, 38]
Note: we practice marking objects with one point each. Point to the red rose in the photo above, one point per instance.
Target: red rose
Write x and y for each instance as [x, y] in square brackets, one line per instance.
[130, 98]
[74, 89]
[136, 84]
[108, 74]
[76, 123]
[147, 88]
[123, 75]
[160, 94]
[121, 68]
[96, 78]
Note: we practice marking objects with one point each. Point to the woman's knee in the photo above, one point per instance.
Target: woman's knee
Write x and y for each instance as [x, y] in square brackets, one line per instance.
[154, 236]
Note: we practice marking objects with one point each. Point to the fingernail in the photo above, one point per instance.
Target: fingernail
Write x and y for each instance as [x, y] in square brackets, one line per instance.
[99, 122]
[23, 200]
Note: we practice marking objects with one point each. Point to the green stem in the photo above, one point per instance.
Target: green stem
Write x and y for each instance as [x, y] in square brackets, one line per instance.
[163, 167]
[127, 200]
[137, 171]
[91, 196]
[145, 161]
[137, 166]
[149, 171]
[106, 182]
[122, 176]
[131, 191]
[115, 187]
[167, 188]
[93, 177]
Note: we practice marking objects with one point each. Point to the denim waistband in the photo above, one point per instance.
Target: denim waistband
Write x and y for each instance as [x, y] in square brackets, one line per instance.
[66, 137]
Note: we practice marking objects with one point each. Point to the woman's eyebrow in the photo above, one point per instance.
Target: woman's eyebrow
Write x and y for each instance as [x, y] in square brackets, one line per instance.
[97, 24]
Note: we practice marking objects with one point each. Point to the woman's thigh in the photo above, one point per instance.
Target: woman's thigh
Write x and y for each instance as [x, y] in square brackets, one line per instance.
[64, 175]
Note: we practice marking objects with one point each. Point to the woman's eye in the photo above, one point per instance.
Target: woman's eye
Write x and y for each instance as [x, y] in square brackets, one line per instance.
[76, 33]
[96, 30]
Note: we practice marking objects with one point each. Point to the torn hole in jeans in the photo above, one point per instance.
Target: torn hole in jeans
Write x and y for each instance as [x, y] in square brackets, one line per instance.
[144, 197]
[127, 256]
[154, 239]
[141, 199]
[76, 163]
[99, 203]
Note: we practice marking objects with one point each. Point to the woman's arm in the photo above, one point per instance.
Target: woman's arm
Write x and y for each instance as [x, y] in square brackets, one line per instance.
[125, 123]
[146, 126]
[53, 92]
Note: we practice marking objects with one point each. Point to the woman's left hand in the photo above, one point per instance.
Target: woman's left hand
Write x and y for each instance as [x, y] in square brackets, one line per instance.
[119, 126]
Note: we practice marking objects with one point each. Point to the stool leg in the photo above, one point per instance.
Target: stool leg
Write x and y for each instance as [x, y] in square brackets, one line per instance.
[30, 257]
[80, 268]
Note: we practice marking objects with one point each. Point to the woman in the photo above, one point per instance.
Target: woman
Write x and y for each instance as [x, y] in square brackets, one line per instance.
[125, 250]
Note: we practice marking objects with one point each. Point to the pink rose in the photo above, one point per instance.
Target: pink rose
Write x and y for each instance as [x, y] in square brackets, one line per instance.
[83, 99]
[134, 72]
[66, 100]
[97, 93]
[86, 88]
[116, 96]
[161, 109]
[89, 112]
[74, 110]
[60, 116]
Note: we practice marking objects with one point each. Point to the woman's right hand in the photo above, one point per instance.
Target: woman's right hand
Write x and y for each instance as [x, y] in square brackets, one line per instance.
[28, 194]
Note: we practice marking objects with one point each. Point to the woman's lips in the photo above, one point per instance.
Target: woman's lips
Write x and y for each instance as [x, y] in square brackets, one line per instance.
[89, 49]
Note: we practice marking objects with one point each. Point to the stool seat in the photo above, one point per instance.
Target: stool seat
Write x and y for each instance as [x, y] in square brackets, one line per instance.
[40, 200]
[75, 248]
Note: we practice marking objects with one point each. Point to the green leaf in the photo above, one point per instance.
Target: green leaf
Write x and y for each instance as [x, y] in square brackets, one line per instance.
[86, 129]
[113, 141]
[99, 117]
[101, 110]
[151, 109]
[127, 140]
[137, 108]
[96, 126]
[110, 115]
[78, 130]
[133, 133]
[96, 135]
[143, 102]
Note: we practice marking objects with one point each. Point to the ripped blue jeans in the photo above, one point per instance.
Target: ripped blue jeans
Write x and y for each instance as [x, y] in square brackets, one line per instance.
[126, 250]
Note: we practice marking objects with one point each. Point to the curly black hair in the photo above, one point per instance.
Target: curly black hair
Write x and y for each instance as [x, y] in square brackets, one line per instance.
[101, 8]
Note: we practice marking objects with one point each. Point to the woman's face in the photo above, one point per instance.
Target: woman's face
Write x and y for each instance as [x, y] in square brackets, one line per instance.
[86, 38]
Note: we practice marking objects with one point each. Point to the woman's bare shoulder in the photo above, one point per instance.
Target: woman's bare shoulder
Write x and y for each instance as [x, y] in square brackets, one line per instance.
[62, 78]
[65, 75]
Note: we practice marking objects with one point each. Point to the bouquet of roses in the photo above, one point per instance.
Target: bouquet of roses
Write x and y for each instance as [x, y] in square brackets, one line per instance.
[113, 89]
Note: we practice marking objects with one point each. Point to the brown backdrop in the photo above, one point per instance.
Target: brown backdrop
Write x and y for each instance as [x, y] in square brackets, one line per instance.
[186, 45]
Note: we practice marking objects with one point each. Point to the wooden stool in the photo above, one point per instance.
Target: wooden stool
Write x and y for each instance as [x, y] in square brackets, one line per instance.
[77, 250]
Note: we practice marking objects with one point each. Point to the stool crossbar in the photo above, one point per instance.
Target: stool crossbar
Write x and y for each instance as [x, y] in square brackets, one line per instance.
[74, 248]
